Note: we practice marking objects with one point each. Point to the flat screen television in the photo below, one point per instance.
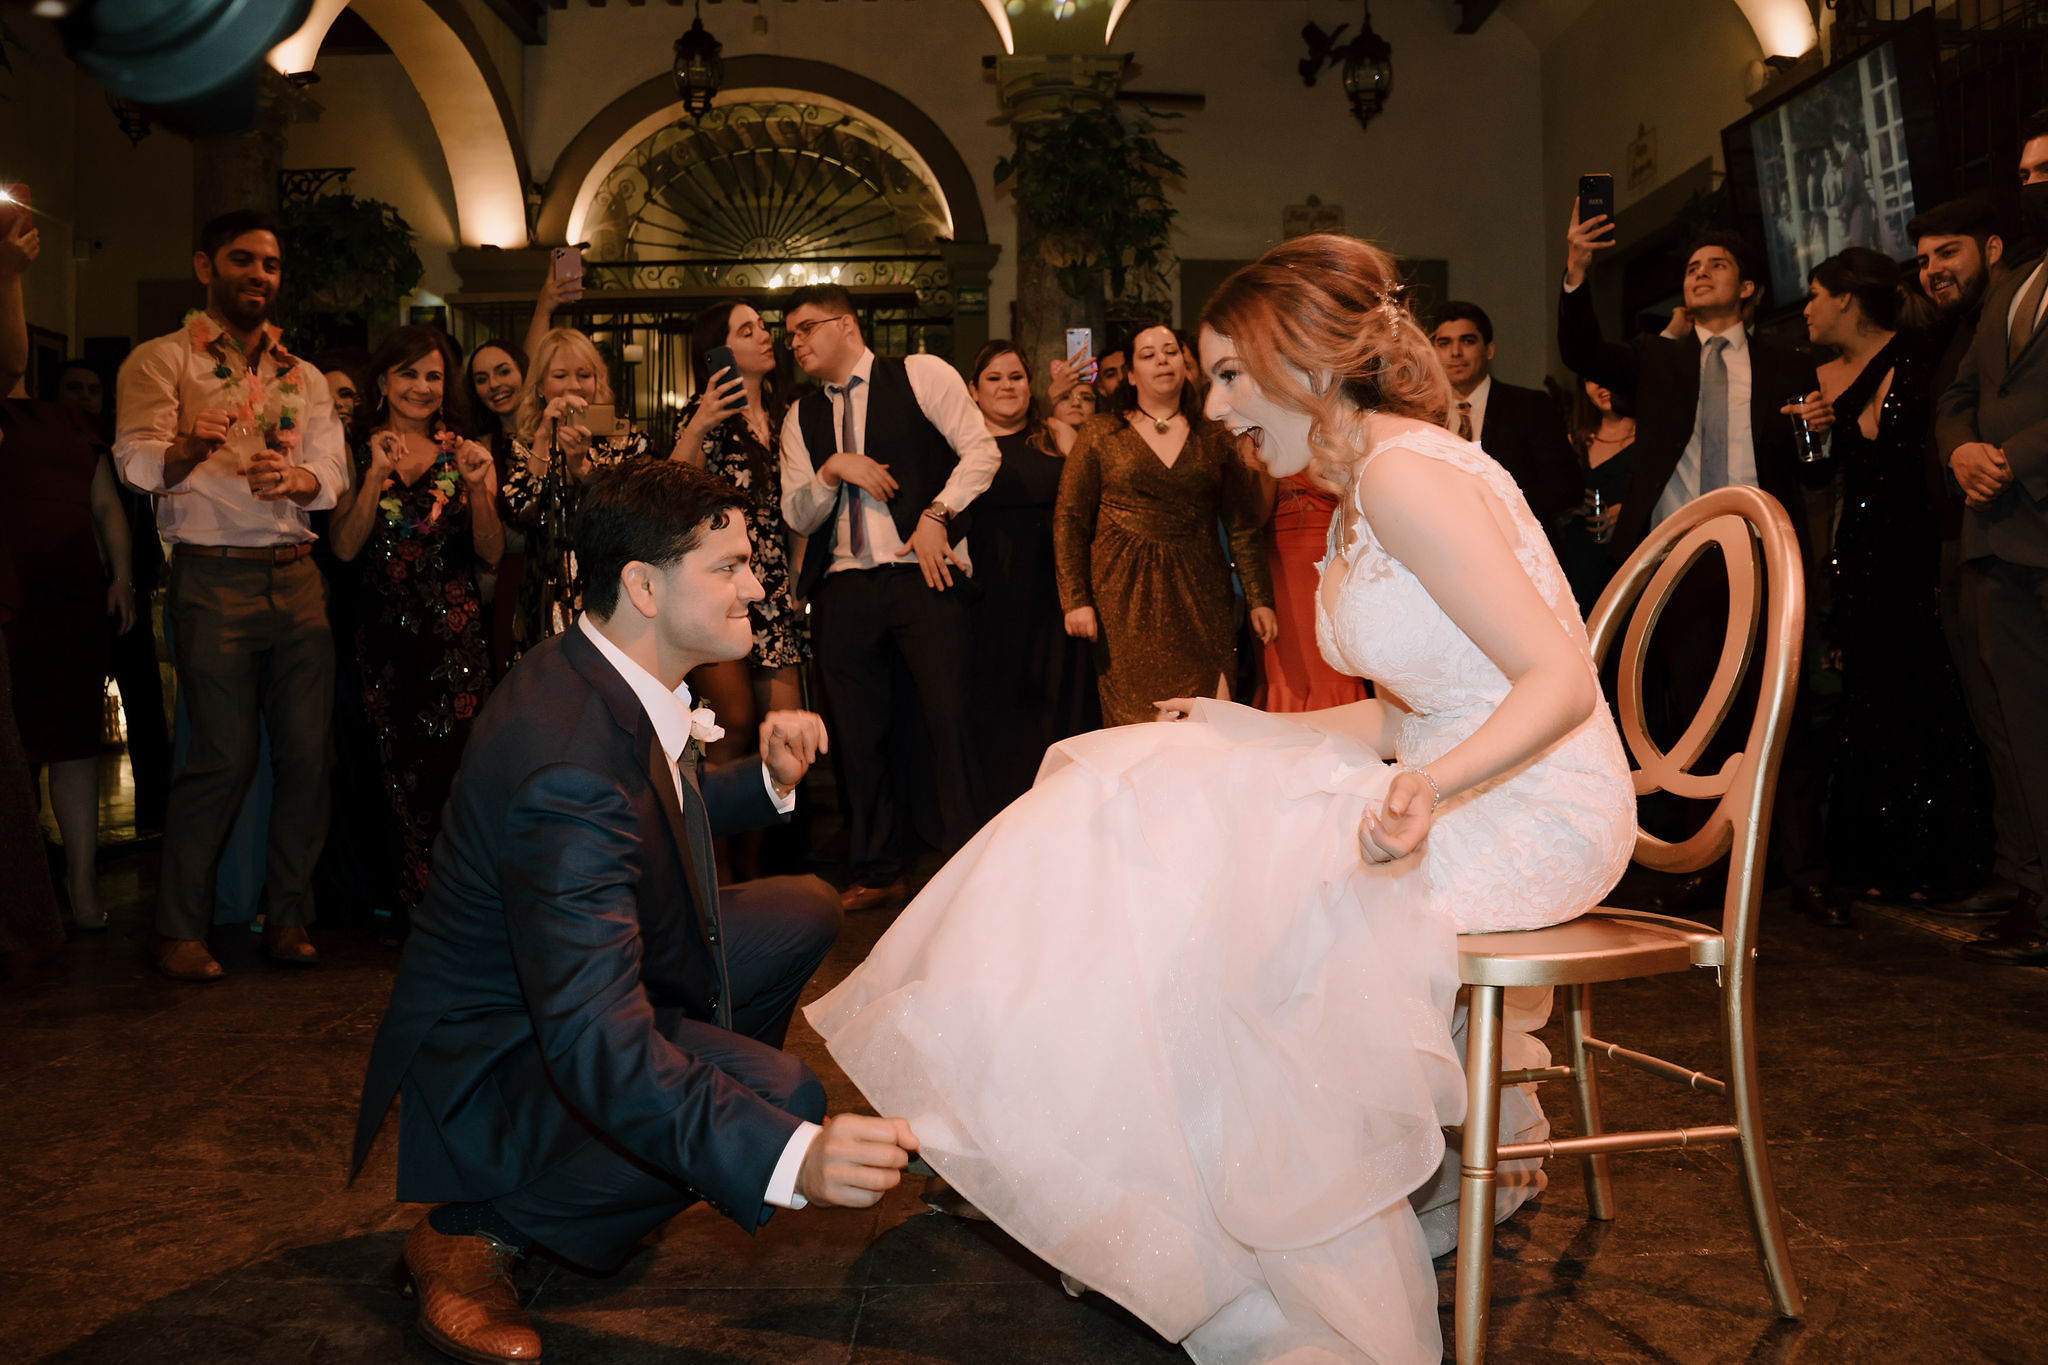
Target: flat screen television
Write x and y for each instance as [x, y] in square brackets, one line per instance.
[1844, 159]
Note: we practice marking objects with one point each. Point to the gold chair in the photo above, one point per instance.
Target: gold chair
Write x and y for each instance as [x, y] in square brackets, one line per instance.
[1762, 558]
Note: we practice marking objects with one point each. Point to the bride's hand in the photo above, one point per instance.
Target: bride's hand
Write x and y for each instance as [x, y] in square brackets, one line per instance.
[1401, 823]
[1180, 708]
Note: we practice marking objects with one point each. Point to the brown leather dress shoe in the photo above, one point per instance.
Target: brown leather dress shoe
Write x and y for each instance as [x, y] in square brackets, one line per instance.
[469, 1308]
[288, 943]
[186, 959]
[858, 897]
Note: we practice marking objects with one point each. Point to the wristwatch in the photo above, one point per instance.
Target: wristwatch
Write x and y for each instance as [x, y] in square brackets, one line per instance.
[939, 512]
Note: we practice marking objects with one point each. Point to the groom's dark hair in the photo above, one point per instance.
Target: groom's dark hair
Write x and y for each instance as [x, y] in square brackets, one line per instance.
[650, 511]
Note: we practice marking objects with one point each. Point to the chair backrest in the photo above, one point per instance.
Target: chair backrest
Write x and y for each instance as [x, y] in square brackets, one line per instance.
[1767, 593]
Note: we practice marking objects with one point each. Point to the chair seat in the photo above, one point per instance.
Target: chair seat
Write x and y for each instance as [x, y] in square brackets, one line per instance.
[1604, 944]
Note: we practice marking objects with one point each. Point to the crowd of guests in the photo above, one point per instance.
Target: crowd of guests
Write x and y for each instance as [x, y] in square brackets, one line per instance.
[970, 568]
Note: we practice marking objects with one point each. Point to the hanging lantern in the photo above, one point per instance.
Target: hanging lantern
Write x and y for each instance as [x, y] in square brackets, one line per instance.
[1368, 72]
[699, 71]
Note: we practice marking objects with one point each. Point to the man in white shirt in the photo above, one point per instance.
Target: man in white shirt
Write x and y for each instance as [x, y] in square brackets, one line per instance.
[237, 440]
[587, 1030]
[877, 468]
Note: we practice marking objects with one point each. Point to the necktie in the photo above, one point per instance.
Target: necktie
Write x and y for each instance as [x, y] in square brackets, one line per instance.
[2023, 322]
[849, 440]
[1464, 421]
[1714, 416]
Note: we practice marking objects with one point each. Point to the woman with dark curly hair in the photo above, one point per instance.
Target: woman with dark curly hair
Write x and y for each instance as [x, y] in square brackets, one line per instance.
[421, 520]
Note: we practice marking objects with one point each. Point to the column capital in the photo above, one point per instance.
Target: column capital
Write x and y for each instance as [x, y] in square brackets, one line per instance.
[1040, 84]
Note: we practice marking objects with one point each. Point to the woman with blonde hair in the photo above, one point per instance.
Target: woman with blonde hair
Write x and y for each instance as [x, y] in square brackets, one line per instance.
[1181, 1019]
[552, 453]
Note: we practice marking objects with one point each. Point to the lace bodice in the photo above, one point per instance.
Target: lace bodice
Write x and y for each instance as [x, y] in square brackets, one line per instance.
[1540, 843]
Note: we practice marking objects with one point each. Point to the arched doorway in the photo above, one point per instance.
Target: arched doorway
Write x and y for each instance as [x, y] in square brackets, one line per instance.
[771, 189]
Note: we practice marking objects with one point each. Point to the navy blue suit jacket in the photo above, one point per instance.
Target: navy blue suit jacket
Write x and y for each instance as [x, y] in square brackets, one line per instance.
[571, 910]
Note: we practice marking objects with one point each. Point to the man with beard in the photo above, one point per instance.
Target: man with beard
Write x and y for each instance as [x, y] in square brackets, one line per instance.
[238, 440]
[1993, 432]
[1961, 257]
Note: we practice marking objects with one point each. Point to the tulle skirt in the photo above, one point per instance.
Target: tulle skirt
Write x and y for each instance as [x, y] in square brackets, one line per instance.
[1162, 1025]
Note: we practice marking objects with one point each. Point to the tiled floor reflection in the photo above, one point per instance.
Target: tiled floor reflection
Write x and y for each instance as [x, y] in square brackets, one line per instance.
[172, 1161]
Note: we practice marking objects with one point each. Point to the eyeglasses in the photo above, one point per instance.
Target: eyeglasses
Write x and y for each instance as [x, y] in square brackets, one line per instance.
[802, 330]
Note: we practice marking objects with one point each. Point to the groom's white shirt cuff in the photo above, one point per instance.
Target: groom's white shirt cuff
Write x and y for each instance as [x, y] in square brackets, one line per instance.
[782, 1185]
[670, 712]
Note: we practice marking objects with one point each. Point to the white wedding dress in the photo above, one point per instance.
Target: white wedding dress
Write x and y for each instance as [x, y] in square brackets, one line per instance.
[1164, 1026]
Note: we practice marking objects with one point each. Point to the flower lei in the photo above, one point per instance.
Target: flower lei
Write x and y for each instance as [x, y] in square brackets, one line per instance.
[444, 479]
[279, 428]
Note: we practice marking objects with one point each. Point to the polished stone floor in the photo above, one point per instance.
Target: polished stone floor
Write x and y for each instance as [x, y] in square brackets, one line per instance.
[171, 1160]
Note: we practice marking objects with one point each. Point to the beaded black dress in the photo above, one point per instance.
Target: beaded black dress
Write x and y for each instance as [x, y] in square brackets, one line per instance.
[1909, 805]
[423, 645]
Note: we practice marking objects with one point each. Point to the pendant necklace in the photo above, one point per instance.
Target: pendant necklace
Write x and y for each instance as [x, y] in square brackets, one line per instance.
[1159, 424]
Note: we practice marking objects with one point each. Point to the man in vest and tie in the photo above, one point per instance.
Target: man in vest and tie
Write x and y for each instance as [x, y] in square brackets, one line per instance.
[1712, 409]
[877, 468]
[1993, 432]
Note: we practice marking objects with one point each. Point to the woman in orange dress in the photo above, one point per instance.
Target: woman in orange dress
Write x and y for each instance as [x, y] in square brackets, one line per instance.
[1293, 676]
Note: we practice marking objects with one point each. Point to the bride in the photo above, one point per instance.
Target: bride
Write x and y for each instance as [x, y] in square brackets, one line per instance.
[1182, 1018]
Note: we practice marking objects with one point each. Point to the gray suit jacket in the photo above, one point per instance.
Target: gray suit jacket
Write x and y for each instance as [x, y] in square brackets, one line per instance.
[2006, 406]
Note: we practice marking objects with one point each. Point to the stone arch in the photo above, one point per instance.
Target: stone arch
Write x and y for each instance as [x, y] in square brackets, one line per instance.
[445, 58]
[621, 125]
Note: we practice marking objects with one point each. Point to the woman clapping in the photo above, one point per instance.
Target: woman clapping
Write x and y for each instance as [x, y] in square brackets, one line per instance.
[422, 519]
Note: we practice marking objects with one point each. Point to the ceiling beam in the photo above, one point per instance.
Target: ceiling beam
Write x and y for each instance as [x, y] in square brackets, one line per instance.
[1476, 13]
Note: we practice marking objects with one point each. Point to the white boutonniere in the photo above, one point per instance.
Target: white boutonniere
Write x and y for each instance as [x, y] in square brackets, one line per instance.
[704, 729]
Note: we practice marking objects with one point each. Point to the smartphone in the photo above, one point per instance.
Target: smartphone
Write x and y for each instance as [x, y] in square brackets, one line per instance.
[16, 202]
[1596, 197]
[601, 420]
[720, 358]
[1080, 345]
[567, 264]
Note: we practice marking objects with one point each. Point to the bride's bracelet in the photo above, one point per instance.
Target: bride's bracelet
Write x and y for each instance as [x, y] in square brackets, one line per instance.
[1436, 794]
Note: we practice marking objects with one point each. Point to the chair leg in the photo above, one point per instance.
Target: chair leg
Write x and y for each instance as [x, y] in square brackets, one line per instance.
[1476, 1182]
[1765, 1218]
[1586, 1097]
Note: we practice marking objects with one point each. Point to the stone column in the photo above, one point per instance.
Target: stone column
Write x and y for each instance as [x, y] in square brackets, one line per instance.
[1037, 86]
[968, 265]
[239, 171]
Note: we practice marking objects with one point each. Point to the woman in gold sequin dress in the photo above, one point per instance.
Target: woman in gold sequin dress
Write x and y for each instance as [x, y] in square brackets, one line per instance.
[1142, 570]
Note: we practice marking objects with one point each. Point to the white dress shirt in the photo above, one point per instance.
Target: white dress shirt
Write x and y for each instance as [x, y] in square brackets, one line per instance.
[166, 382]
[670, 712]
[808, 501]
[1477, 398]
[1684, 484]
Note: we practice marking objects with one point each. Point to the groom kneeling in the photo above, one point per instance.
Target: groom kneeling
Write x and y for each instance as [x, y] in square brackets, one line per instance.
[586, 1029]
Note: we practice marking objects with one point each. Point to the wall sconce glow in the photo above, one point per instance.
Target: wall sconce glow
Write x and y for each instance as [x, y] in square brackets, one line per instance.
[297, 53]
[1784, 28]
[994, 9]
[1116, 12]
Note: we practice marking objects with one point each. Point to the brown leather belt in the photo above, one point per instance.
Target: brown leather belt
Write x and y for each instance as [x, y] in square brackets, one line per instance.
[269, 554]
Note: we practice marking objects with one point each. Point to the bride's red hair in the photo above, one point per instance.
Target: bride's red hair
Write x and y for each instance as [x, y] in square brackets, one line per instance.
[1331, 306]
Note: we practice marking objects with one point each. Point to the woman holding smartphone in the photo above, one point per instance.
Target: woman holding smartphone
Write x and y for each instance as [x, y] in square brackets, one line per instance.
[554, 447]
[729, 429]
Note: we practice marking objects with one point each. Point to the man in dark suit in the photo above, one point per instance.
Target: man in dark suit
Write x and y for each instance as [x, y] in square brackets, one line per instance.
[586, 1029]
[1961, 259]
[1712, 409]
[1993, 431]
[1520, 428]
[878, 467]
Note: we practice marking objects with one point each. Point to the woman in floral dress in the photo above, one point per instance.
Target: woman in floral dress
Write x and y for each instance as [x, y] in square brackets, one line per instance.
[422, 520]
[729, 429]
[553, 452]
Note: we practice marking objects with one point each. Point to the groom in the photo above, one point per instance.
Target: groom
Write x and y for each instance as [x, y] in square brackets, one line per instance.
[586, 1029]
